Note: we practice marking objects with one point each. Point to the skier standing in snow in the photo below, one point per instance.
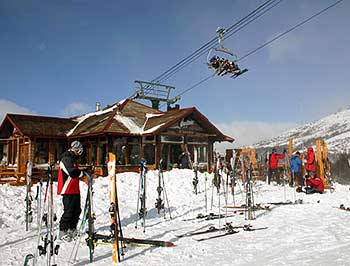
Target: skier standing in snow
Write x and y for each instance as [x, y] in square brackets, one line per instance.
[310, 162]
[273, 165]
[68, 187]
[295, 165]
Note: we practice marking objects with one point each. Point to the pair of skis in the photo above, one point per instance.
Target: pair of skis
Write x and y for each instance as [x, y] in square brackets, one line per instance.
[227, 228]
[141, 211]
[162, 195]
[46, 241]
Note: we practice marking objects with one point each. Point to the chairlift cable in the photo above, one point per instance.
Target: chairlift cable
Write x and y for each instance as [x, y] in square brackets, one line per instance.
[289, 30]
[225, 37]
[211, 44]
[267, 43]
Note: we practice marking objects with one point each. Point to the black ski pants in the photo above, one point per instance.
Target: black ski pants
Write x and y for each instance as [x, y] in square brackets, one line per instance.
[71, 211]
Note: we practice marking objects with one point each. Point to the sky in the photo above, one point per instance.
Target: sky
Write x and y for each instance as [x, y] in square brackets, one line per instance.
[60, 57]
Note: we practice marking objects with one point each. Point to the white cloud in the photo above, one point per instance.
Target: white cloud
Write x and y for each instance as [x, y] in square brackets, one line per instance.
[287, 48]
[247, 133]
[76, 108]
[7, 106]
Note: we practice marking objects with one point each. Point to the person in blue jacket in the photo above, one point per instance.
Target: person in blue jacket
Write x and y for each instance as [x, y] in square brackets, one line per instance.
[295, 166]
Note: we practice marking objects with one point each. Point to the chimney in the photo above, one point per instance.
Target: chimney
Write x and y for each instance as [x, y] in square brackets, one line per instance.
[98, 106]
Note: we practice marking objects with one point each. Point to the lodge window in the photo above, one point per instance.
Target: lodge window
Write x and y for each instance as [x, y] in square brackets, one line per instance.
[202, 154]
[94, 153]
[149, 153]
[172, 139]
[134, 151]
[41, 154]
[127, 150]
[61, 147]
[103, 154]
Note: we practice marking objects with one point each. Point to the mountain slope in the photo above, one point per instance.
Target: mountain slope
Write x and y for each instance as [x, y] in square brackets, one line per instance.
[333, 129]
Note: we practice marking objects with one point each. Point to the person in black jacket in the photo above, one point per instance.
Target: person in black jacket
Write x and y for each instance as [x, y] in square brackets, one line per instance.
[68, 187]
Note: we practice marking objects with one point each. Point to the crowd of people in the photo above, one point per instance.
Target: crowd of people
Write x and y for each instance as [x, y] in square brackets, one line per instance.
[223, 66]
[310, 183]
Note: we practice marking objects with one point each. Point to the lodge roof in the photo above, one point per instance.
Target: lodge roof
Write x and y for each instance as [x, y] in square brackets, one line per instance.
[127, 118]
[32, 125]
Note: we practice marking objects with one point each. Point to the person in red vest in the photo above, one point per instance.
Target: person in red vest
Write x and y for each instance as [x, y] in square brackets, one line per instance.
[310, 162]
[68, 187]
[273, 165]
[314, 185]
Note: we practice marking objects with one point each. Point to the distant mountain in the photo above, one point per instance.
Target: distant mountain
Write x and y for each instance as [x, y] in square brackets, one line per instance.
[333, 129]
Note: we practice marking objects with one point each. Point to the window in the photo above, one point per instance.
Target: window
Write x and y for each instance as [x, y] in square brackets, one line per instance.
[41, 154]
[103, 154]
[134, 154]
[149, 153]
[120, 151]
[202, 154]
[172, 139]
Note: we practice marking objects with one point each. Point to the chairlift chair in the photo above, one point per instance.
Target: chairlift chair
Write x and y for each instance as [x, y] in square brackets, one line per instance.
[221, 53]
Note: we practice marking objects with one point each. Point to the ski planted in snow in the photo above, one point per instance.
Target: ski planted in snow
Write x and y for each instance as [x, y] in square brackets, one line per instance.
[113, 210]
[141, 210]
[162, 195]
[91, 219]
[28, 199]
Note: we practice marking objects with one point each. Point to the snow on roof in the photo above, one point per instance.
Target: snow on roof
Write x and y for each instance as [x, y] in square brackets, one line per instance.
[129, 123]
[82, 118]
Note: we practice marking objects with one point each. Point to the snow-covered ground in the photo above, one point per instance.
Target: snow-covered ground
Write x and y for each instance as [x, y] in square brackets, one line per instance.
[312, 233]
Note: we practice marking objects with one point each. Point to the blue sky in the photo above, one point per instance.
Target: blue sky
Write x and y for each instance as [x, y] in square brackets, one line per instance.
[59, 57]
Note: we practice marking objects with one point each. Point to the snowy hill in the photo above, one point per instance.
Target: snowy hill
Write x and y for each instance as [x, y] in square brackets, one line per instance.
[312, 233]
[334, 129]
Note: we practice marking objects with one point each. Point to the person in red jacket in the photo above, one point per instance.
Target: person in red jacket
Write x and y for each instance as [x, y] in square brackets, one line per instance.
[314, 185]
[310, 163]
[273, 165]
[68, 187]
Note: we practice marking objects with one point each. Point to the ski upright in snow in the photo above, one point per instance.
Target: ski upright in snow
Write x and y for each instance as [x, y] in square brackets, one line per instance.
[28, 199]
[113, 209]
[141, 201]
[91, 219]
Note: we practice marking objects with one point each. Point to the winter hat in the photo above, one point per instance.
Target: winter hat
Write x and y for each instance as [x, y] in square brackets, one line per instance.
[76, 147]
[274, 150]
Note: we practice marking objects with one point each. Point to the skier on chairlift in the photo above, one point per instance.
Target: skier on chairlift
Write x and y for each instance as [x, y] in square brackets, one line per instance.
[223, 66]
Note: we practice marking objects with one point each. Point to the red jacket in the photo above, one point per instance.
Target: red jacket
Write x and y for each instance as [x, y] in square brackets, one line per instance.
[310, 160]
[273, 160]
[68, 175]
[316, 183]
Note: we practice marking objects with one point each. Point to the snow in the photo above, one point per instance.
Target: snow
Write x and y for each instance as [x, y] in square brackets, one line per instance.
[312, 233]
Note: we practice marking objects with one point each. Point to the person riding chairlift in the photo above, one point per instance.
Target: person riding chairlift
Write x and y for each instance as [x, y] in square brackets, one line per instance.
[229, 67]
[215, 62]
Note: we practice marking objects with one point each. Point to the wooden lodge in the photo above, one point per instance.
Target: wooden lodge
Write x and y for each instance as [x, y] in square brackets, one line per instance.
[129, 129]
